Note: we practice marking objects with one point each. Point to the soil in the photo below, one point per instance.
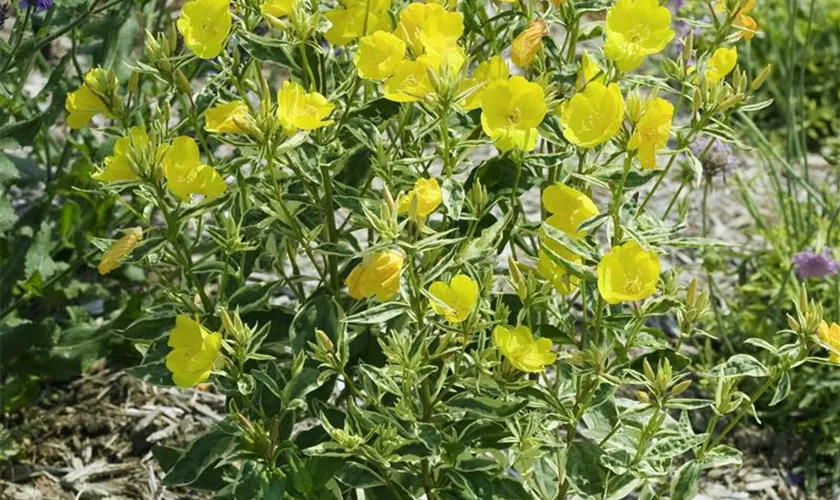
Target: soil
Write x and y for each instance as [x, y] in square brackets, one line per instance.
[92, 439]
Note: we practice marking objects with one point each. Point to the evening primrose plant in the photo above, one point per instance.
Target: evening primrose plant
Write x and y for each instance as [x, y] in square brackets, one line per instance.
[328, 199]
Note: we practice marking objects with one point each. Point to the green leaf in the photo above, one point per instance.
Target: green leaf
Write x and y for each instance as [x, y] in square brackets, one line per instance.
[378, 314]
[8, 172]
[487, 407]
[782, 389]
[673, 446]
[684, 483]
[453, 197]
[583, 468]
[739, 365]
[199, 456]
[8, 217]
[484, 245]
[153, 367]
[762, 344]
[39, 258]
[359, 476]
[149, 328]
[320, 312]
[252, 297]
[721, 456]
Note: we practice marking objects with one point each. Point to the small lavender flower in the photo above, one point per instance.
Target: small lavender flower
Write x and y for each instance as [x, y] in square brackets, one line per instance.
[810, 264]
[40, 5]
[4, 14]
[716, 156]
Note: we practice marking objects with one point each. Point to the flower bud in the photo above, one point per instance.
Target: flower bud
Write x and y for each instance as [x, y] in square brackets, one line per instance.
[634, 108]
[527, 44]
[792, 323]
[761, 77]
[324, 341]
[643, 397]
[648, 370]
[680, 388]
[183, 83]
[691, 292]
[120, 250]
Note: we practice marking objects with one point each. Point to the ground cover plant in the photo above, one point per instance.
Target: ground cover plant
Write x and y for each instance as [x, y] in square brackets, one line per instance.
[322, 211]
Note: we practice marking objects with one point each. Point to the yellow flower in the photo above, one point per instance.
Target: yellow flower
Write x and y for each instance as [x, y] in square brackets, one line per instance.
[118, 167]
[593, 116]
[411, 20]
[527, 44]
[486, 72]
[205, 25]
[428, 195]
[652, 131]
[298, 109]
[588, 72]
[410, 81]
[186, 175]
[357, 18]
[511, 110]
[83, 103]
[429, 27]
[227, 118]
[721, 64]
[570, 208]
[379, 55]
[378, 274]
[563, 282]
[277, 8]
[742, 18]
[194, 352]
[521, 350]
[628, 273]
[122, 248]
[635, 29]
[747, 24]
[441, 29]
[831, 337]
[456, 300]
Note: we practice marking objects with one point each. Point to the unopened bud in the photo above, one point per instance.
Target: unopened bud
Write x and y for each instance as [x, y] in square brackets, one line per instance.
[792, 323]
[691, 292]
[688, 48]
[389, 199]
[527, 44]
[648, 370]
[246, 423]
[680, 388]
[324, 340]
[761, 77]
[642, 396]
[634, 108]
[183, 83]
[697, 102]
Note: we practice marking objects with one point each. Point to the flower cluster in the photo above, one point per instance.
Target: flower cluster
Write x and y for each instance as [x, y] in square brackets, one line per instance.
[258, 162]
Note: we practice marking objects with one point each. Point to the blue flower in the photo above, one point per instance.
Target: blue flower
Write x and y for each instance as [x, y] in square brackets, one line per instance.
[40, 5]
[810, 264]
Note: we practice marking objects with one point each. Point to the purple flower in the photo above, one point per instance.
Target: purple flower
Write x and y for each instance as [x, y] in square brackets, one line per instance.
[810, 264]
[716, 156]
[40, 5]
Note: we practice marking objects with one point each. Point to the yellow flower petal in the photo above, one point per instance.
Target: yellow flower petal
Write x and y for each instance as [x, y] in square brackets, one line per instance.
[205, 25]
[594, 116]
[628, 273]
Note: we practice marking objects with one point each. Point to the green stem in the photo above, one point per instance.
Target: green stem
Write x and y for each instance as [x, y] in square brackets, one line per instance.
[332, 232]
